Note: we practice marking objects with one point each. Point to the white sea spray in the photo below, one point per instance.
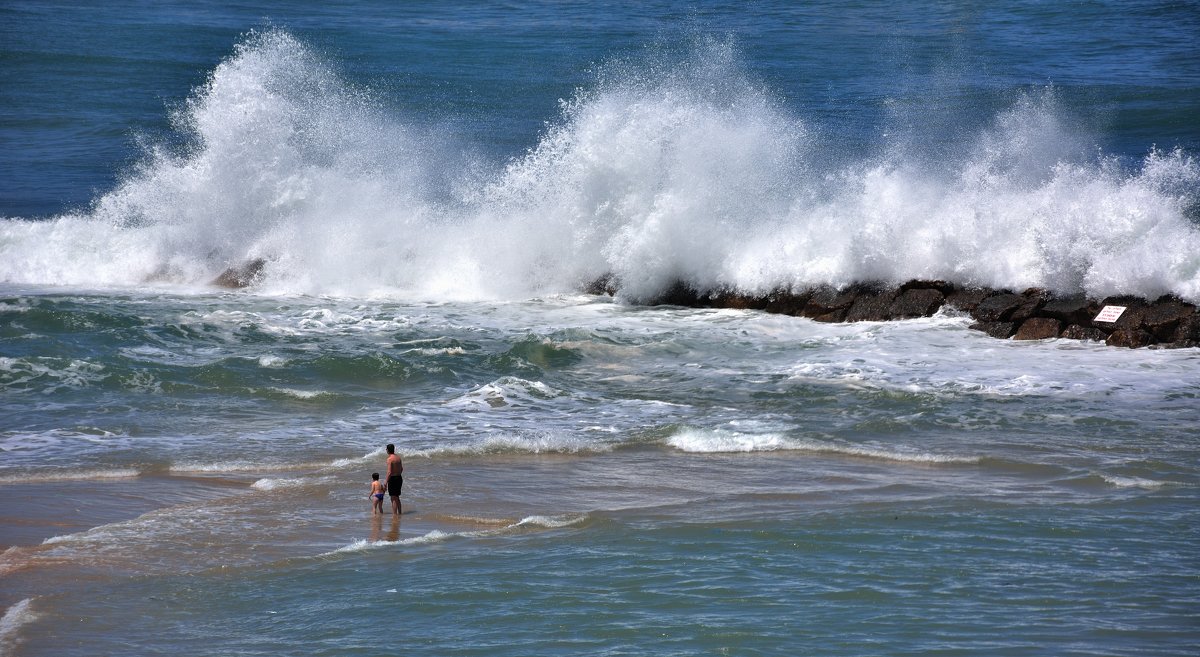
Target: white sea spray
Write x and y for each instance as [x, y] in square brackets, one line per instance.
[653, 174]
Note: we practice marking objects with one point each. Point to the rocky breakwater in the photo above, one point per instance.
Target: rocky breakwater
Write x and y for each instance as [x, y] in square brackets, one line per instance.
[244, 275]
[1032, 314]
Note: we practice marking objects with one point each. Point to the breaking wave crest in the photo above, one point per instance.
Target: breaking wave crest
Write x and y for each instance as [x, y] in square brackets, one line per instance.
[439, 536]
[519, 442]
[655, 173]
[14, 618]
[712, 441]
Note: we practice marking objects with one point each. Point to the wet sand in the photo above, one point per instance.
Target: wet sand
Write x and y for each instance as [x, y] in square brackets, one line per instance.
[35, 511]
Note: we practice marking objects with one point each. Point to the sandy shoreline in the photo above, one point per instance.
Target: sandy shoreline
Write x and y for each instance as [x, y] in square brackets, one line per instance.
[36, 511]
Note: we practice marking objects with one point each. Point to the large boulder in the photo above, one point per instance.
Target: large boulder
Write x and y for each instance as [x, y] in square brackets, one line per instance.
[918, 284]
[605, 285]
[1188, 330]
[1038, 328]
[917, 302]
[240, 276]
[1077, 332]
[1002, 330]
[967, 299]
[1131, 338]
[1162, 320]
[1035, 298]
[998, 307]
[872, 306]
[828, 304]
[787, 302]
[1130, 319]
[678, 294]
[738, 301]
[1070, 310]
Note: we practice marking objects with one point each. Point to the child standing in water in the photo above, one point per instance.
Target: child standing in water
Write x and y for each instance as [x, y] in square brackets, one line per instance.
[377, 492]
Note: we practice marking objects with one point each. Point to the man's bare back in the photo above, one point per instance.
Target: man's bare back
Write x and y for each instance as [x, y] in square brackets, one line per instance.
[395, 478]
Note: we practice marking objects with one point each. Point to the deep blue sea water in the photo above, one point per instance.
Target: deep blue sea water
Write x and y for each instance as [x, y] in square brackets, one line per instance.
[183, 469]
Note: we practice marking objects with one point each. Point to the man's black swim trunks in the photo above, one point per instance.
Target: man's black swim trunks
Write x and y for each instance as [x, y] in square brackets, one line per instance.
[394, 484]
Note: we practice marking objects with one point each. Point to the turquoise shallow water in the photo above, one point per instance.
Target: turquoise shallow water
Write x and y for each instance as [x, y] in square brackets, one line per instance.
[184, 469]
[847, 583]
[585, 476]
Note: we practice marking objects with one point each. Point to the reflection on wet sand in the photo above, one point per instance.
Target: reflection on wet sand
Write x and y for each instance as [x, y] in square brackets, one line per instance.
[393, 533]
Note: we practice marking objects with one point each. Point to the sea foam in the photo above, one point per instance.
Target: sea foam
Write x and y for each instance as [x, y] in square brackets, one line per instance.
[14, 618]
[439, 536]
[1132, 482]
[69, 474]
[654, 173]
[505, 391]
[518, 442]
[716, 441]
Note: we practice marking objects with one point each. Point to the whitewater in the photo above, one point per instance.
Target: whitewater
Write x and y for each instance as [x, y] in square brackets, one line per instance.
[433, 189]
[651, 175]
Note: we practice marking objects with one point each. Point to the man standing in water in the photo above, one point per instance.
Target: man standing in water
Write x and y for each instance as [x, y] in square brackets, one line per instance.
[395, 478]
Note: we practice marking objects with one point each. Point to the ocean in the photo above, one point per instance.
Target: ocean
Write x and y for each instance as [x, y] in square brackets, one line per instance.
[431, 187]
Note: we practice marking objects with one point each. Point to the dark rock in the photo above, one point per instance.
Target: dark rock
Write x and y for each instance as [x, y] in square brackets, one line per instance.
[1002, 330]
[1035, 298]
[941, 286]
[1188, 330]
[1077, 332]
[738, 301]
[998, 307]
[1034, 314]
[1070, 310]
[874, 306]
[1126, 300]
[917, 302]
[1182, 344]
[832, 317]
[828, 304]
[967, 300]
[1038, 328]
[605, 285]
[788, 303]
[1036, 293]
[1132, 338]
[1131, 319]
[1028, 309]
[1163, 319]
[679, 294]
[241, 276]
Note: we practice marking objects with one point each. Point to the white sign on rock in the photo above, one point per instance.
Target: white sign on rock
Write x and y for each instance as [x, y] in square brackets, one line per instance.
[1109, 314]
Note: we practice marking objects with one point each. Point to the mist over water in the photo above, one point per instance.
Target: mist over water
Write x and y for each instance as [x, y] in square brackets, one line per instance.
[663, 169]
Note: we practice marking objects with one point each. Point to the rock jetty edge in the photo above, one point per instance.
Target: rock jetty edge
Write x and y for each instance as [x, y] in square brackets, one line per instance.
[1032, 314]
